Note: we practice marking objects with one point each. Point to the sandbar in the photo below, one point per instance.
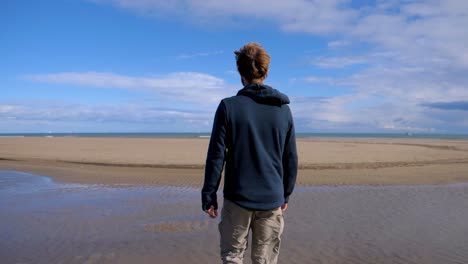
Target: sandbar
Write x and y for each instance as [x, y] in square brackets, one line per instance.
[180, 161]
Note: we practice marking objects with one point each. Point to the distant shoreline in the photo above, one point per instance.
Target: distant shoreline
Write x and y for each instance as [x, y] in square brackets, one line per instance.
[207, 135]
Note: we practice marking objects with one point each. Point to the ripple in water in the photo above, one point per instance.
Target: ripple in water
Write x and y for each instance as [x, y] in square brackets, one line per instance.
[45, 222]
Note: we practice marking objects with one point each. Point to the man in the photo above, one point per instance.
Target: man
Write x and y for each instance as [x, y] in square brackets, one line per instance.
[253, 133]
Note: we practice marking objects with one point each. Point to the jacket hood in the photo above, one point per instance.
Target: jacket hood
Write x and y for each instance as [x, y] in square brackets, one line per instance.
[264, 94]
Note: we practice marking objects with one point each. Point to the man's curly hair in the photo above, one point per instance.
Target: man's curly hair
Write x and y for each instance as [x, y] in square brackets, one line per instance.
[252, 62]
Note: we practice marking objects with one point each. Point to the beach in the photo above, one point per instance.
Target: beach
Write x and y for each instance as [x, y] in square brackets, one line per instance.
[137, 200]
[180, 161]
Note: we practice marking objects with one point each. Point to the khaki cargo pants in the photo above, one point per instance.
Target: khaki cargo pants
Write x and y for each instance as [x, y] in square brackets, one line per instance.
[266, 226]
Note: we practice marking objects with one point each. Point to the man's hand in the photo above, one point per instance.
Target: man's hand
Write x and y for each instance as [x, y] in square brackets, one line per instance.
[212, 212]
[284, 207]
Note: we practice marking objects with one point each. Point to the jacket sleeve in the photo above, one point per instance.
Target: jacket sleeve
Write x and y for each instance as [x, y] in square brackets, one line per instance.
[290, 162]
[215, 158]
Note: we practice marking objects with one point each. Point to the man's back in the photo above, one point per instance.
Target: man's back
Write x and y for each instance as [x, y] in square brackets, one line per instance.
[259, 128]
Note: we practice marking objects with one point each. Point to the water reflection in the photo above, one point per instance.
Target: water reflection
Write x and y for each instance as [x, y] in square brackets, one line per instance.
[45, 222]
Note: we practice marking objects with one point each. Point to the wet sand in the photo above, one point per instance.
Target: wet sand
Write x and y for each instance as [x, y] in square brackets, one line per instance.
[136, 200]
[47, 222]
[180, 161]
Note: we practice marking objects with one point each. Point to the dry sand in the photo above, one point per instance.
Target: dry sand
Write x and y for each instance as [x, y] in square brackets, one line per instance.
[180, 161]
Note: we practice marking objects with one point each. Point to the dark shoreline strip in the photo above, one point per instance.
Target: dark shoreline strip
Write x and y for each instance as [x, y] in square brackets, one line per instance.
[133, 165]
[379, 165]
[397, 143]
[310, 166]
[7, 159]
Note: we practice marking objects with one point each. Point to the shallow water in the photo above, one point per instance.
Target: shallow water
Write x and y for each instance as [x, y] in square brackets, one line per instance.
[391, 224]
[45, 222]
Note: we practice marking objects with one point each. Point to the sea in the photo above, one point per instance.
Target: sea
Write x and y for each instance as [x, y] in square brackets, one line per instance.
[207, 135]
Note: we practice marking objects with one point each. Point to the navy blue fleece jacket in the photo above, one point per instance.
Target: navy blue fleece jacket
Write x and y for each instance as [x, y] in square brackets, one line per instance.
[253, 135]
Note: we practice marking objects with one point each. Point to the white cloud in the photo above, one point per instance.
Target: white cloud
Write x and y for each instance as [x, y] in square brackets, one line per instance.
[337, 44]
[420, 31]
[393, 98]
[321, 80]
[337, 62]
[199, 54]
[361, 113]
[4, 109]
[314, 79]
[295, 15]
[183, 101]
[191, 87]
[416, 56]
[127, 117]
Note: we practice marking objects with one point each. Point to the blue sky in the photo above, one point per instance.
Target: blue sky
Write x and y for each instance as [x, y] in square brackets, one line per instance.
[162, 66]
